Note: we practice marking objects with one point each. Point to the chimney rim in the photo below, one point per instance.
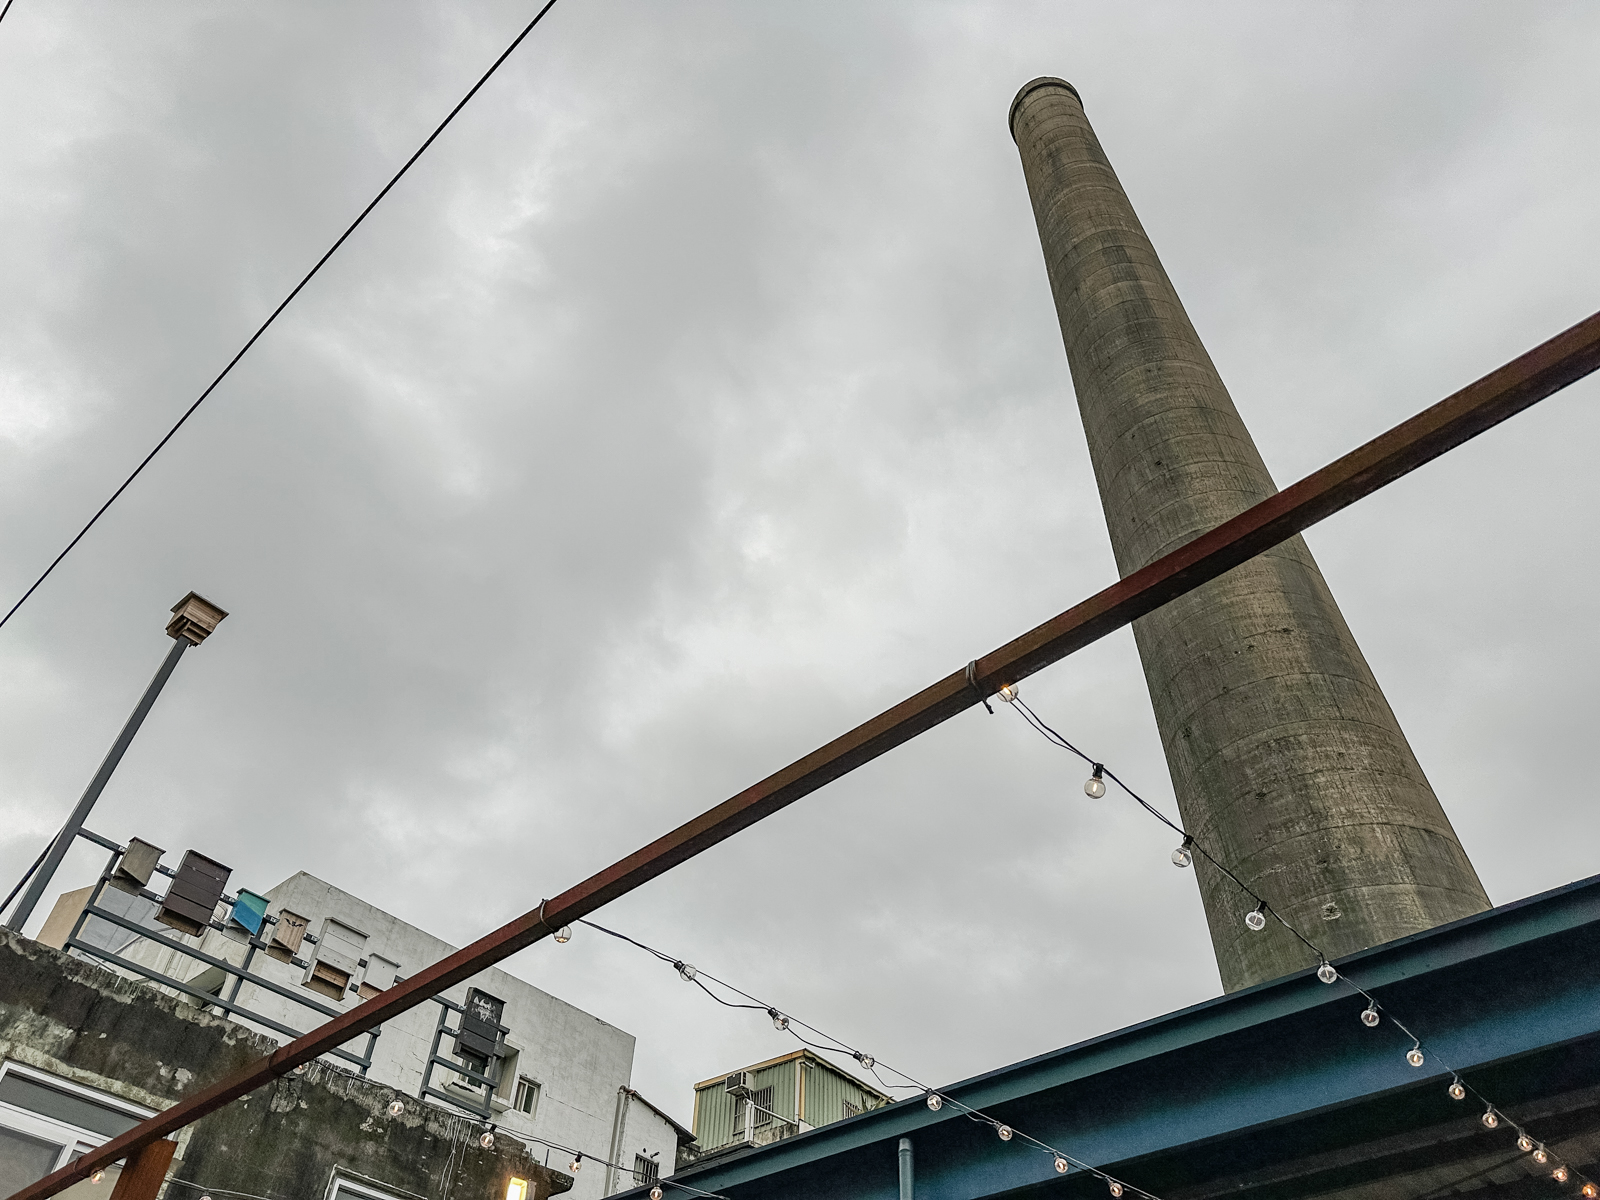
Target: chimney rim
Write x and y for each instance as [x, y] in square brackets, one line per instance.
[1034, 85]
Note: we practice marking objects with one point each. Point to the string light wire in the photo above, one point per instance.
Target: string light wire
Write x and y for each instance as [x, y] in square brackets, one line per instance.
[1459, 1089]
[936, 1099]
[273, 316]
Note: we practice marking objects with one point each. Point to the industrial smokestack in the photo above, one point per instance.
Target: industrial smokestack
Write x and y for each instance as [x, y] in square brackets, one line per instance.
[1285, 757]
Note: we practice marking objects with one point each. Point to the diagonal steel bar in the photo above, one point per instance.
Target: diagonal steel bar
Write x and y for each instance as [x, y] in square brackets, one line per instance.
[1502, 393]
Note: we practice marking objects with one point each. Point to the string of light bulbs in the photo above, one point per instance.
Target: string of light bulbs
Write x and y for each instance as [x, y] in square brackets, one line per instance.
[1256, 920]
[936, 1100]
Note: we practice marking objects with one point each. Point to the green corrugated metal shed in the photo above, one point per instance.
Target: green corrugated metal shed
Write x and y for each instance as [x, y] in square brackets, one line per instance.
[798, 1091]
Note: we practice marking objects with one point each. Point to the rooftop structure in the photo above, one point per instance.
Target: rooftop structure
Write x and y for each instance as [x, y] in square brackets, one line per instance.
[776, 1099]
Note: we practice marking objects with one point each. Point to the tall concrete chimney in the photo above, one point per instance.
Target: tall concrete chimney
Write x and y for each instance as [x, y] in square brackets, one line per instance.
[1285, 757]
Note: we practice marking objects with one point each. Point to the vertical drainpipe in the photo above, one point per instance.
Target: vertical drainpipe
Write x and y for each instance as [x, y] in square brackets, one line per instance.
[907, 1183]
[619, 1124]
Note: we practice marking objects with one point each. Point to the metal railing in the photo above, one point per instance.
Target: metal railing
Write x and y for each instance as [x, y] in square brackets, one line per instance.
[240, 975]
[476, 1098]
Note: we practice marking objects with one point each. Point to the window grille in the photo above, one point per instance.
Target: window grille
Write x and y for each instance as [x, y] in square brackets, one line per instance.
[762, 1099]
[851, 1110]
[645, 1170]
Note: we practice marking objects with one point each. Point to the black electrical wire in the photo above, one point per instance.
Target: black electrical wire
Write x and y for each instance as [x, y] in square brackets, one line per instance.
[273, 316]
[6, 9]
[867, 1062]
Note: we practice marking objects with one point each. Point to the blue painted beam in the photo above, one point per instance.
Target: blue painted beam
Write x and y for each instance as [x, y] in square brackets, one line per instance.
[1509, 995]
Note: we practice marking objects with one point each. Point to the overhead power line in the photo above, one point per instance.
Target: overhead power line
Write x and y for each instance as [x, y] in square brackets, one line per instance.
[273, 316]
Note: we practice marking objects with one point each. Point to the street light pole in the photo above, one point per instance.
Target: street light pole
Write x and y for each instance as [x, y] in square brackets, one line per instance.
[193, 621]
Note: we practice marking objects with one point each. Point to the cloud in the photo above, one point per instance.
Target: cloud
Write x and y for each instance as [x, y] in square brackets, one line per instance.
[698, 396]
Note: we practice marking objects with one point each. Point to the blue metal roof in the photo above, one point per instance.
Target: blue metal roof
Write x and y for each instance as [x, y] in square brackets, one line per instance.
[1273, 1081]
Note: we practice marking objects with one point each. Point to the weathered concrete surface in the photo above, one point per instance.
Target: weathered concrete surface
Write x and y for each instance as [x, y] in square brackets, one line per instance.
[286, 1140]
[1285, 757]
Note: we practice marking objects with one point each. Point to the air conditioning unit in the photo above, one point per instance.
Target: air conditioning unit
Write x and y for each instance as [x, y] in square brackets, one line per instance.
[740, 1084]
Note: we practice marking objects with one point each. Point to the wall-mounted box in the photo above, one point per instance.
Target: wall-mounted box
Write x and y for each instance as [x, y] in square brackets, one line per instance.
[193, 894]
[138, 863]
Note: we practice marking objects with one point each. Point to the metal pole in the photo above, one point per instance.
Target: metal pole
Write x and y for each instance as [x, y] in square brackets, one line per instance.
[1501, 394]
[907, 1182]
[64, 839]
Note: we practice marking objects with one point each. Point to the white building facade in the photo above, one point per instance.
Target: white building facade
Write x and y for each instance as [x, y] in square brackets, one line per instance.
[563, 1076]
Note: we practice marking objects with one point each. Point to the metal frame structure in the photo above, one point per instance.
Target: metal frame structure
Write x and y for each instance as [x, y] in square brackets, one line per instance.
[1501, 394]
[239, 974]
[442, 1030]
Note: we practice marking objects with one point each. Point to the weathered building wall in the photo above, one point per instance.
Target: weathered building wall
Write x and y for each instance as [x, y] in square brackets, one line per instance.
[577, 1061]
[286, 1141]
[1285, 757]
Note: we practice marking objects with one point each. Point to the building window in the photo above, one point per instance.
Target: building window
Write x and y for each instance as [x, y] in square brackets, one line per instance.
[342, 1188]
[527, 1097]
[645, 1170]
[47, 1122]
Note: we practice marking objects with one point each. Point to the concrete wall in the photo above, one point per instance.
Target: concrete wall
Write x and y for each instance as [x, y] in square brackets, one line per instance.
[1285, 757]
[285, 1141]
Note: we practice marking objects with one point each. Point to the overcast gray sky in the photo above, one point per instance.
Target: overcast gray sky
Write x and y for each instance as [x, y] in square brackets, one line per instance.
[700, 395]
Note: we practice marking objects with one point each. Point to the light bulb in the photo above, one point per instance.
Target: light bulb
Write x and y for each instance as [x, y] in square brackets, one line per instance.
[1004, 1131]
[866, 1060]
[1061, 1165]
[1414, 1056]
[779, 1021]
[97, 1177]
[1181, 857]
[1116, 1188]
[686, 972]
[935, 1101]
[486, 1140]
[1524, 1143]
[1457, 1092]
[1008, 693]
[1540, 1156]
[1590, 1191]
[1094, 787]
[576, 1165]
[396, 1108]
[1489, 1119]
[1256, 920]
[655, 1192]
[1326, 973]
[1370, 1017]
[1559, 1174]
[299, 1068]
[564, 934]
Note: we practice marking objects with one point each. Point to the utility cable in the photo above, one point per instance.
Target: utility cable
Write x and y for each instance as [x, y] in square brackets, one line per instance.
[936, 1100]
[273, 316]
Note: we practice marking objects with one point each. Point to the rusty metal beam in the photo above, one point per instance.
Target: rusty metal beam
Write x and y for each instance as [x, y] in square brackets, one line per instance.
[1503, 393]
[146, 1171]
